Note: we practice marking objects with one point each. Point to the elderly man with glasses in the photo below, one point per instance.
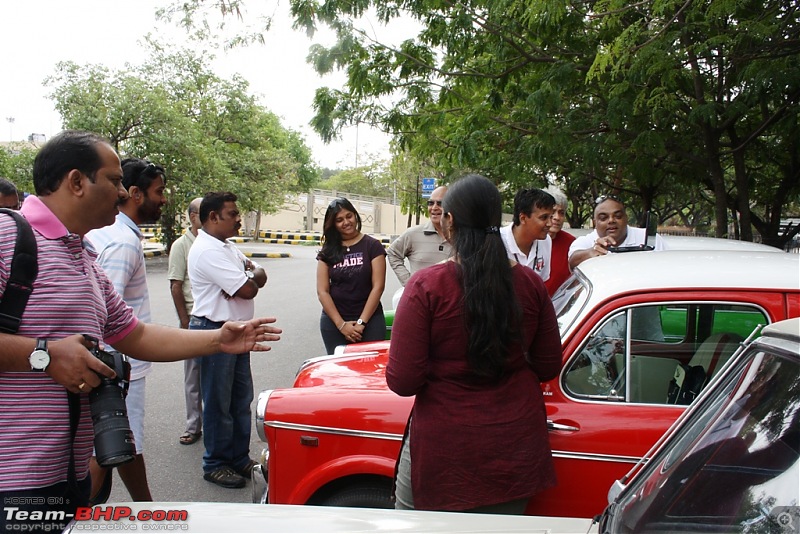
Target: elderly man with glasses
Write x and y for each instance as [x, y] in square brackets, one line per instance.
[610, 230]
[423, 245]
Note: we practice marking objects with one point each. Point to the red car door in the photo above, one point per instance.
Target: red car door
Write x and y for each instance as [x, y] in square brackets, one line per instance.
[609, 405]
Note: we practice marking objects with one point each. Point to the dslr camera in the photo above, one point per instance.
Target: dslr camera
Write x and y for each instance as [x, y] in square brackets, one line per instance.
[113, 438]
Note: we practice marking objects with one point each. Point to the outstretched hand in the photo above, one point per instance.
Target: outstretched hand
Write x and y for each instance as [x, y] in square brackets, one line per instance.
[237, 337]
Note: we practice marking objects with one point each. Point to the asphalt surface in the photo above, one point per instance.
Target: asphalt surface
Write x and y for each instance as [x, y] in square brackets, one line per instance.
[174, 470]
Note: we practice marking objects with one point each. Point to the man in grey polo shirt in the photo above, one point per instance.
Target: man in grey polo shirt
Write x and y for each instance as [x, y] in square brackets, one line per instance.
[423, 245]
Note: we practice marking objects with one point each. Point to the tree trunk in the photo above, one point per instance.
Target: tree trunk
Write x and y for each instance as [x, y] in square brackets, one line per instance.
[742, 188]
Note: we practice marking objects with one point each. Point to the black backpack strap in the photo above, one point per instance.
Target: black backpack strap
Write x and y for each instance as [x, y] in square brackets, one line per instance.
[24, 269]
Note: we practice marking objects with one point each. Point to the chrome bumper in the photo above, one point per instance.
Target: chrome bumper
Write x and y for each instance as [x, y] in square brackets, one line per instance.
[260, 484]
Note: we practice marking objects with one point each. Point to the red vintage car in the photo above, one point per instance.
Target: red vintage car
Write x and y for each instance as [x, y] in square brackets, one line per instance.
[642, 333]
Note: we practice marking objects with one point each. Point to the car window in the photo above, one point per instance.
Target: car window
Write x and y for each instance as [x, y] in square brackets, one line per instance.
[730, 469]
[658, 354]
[568, 301]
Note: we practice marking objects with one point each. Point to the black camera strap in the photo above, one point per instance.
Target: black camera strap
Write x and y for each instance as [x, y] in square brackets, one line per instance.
[74, 419]
[24, 269]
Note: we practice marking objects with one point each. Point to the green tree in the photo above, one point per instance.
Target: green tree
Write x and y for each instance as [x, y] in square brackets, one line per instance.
[370, 179]
[671, 104]
[209, 133]
[16, 164]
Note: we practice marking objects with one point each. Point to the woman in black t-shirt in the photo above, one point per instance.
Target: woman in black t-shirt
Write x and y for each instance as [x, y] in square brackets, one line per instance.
[351, 275]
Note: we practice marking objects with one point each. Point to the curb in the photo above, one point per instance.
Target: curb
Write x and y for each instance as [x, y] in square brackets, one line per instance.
[267, 254]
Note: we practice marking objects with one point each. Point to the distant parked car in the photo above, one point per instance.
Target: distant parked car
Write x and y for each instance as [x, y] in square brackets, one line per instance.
[642, 334]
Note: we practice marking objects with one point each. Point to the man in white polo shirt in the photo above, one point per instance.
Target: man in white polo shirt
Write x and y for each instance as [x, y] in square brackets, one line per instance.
[526, 238]
[224, 284]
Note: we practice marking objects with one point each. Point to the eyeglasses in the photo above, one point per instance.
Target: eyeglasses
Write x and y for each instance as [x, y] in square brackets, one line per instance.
[432, 202]
[336, 202]
[603, 198]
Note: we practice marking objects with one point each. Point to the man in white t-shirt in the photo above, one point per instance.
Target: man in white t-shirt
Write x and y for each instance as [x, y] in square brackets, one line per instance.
[526, 239]
[610, 230]
[224, 284]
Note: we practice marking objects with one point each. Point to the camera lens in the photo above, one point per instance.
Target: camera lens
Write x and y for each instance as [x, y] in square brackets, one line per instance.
[113, 438]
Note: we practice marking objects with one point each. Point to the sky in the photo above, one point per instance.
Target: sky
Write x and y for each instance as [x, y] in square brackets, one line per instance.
[35, 35]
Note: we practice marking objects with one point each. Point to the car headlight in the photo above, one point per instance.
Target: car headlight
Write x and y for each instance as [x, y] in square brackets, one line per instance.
[261, 410]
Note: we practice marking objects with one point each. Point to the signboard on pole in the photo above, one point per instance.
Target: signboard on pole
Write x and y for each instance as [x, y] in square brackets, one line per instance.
[428, 185]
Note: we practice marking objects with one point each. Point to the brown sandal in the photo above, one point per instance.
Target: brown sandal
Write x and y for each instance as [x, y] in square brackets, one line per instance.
[187, 438]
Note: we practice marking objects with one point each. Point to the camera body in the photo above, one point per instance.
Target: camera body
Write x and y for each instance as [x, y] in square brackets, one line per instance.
[113, 438]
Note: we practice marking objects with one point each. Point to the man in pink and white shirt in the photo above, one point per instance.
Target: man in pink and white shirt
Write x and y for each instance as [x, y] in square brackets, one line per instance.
[78, 182]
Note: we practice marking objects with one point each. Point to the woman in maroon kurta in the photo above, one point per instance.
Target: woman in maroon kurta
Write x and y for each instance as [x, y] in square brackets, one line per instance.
[473, 338]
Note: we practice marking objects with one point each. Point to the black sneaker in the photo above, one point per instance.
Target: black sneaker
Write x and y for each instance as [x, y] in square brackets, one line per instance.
[225, 477]
[247, 470]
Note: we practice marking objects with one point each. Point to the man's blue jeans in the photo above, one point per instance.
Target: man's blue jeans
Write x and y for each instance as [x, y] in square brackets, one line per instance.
[227, 386]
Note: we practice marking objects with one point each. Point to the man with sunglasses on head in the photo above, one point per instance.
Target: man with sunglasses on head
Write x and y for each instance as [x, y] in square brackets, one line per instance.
[423, 245]
[610, 230]
[121, 255]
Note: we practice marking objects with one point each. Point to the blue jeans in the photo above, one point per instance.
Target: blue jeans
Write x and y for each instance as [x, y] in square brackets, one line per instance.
[227, 387]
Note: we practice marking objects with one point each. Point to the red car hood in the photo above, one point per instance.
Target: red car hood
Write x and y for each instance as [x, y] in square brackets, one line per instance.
[362, 366]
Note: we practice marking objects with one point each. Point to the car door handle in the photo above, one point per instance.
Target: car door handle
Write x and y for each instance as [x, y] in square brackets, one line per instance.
[558, 426]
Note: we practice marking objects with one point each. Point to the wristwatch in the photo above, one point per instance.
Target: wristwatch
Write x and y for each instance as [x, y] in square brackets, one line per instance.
[361, 321]
[250, 274]
[39, 358]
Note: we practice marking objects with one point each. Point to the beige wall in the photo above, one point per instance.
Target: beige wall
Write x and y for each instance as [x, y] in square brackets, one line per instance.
[378, 215]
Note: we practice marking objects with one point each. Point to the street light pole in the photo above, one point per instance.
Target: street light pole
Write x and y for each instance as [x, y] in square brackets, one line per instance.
[10, 121]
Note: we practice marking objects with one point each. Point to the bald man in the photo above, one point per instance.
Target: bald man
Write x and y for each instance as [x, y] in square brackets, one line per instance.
[181, 290]
[610, 230]
[423, 245]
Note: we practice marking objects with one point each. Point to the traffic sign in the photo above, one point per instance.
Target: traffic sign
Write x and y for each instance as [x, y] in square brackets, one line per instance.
[428, 185]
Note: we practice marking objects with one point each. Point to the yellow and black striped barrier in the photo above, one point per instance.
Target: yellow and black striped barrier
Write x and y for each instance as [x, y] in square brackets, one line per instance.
[267, 254]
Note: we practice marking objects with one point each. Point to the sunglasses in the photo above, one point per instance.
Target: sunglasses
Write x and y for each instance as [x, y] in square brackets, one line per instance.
[336, 202]
[432, 202]
[603, 198]
[151, 168]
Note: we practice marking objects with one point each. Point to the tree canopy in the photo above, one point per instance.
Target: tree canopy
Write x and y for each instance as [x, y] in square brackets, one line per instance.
[689, 109]
[208, 133]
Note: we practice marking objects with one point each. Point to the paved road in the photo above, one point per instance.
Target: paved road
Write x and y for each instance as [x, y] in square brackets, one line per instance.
[174, 470]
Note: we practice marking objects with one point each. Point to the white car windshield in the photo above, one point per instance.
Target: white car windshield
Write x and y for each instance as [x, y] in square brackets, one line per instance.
[735, 467]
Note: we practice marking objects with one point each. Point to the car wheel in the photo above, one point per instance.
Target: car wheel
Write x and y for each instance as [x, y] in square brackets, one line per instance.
[361, 497]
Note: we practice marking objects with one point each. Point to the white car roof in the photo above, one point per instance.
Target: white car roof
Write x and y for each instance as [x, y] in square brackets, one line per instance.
[690, 269]
[787, 329]
[713, 243]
